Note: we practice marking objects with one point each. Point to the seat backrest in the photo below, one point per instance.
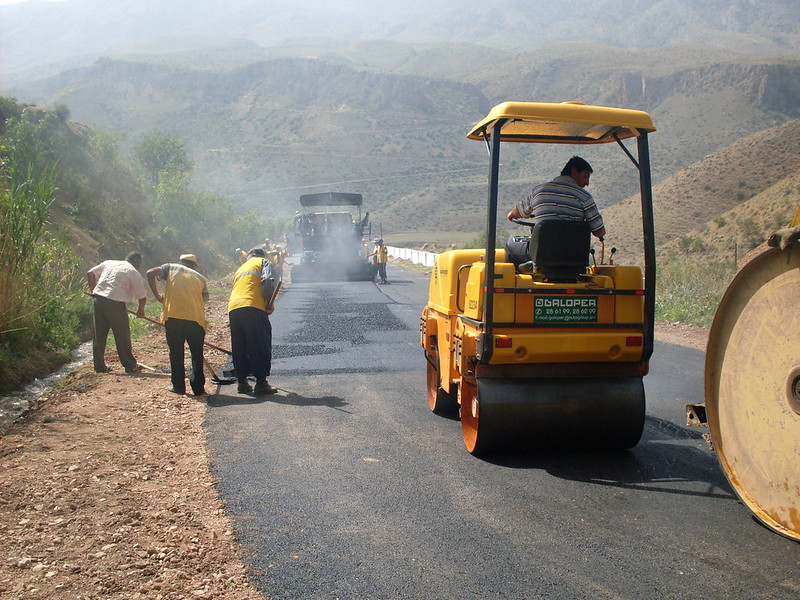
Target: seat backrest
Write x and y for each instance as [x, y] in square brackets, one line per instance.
[560, 249]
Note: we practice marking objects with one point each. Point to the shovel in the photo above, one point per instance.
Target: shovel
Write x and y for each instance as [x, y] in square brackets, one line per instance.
[215, 378]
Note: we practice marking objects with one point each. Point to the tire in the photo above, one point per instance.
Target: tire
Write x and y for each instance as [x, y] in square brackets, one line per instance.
[442, 403]
[474, 435]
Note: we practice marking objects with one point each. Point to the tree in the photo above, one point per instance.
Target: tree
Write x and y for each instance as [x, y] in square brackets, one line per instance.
[105, 145]
[175, 202]
[158, 152]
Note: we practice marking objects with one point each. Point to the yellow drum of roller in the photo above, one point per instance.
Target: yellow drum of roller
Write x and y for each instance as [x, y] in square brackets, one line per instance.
[752, 387]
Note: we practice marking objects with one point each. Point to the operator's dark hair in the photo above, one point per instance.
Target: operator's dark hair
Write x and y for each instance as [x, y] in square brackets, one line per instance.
[132, 256]
[576, 162]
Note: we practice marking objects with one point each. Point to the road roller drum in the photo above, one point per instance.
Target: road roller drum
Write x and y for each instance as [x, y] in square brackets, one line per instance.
[569, 413]
[752, 387]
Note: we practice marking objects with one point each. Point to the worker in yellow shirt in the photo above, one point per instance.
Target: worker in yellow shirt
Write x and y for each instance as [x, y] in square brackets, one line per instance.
[184, 318]
[251, 332]
[381, 253]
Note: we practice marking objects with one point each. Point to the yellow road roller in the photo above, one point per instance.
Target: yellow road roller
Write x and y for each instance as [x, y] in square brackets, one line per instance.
[554, 357]
[752, 383]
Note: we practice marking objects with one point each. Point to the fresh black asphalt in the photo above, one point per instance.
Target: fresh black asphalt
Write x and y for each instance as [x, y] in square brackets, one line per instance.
[345, 485]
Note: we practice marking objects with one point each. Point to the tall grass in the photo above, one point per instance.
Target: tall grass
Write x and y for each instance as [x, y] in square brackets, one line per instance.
[39, 279]
[690, 293]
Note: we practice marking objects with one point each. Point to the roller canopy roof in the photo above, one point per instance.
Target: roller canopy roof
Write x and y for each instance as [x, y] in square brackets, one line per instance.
[331, 199]
[564, 123]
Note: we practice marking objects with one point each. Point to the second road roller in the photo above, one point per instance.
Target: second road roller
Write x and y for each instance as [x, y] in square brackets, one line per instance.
[752, 382]
[554, 357]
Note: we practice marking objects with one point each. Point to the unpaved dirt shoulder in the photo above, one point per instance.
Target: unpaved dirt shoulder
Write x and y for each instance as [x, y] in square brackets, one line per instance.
[681, 334]
[106, 492]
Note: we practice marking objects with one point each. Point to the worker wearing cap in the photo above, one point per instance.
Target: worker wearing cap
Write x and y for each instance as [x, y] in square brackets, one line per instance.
[251, 332]
[113, 284]
[184, 319]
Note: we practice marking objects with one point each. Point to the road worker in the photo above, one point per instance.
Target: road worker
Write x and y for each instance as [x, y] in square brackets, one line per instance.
[251, 332]
[113, 284]
[184, 319]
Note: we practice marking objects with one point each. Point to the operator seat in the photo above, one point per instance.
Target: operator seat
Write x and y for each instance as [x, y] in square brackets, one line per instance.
[560, 249]
[557, 249]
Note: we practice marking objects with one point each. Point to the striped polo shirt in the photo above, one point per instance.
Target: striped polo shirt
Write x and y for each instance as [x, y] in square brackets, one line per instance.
[561, 199]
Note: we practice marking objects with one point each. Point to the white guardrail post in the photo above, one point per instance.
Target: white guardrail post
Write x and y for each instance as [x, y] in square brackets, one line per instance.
[418, 257]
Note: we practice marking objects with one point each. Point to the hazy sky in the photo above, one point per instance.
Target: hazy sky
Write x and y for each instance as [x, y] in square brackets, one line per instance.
[18, 1]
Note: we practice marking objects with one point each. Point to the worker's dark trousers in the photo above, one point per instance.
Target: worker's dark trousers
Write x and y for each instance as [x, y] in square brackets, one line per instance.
[111, 315]
[179, 333]
[518, 249]
[251, 343]
[382, 271]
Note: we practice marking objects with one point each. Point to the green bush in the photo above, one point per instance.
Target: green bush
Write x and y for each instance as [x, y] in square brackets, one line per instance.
[690, 293]
[688, 243]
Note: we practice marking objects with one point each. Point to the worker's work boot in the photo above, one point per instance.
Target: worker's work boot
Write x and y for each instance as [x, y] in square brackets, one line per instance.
[244, 387]
[263, 388]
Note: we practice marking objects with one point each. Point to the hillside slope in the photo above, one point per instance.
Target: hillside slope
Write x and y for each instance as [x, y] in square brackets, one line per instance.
[265, 132]
[723, 205]
[100, 208]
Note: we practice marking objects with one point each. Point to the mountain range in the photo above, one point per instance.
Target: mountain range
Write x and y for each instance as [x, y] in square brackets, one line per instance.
[37, 32]
[275, 100]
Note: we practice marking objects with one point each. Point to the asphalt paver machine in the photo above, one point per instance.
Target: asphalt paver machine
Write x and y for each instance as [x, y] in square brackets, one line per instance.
[549, 358]
[332, 240]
